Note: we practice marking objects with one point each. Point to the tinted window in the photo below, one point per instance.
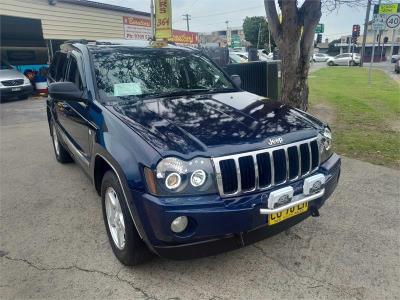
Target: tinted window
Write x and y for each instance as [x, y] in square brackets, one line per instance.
[73, 73]
[135, 74]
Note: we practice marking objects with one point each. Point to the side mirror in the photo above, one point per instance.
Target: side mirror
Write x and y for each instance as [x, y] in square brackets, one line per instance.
[65, 91]
[237, 81]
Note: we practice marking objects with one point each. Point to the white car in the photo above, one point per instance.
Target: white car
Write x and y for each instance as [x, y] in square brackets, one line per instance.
[344, 59]
[234, 58]
[320, 57]
[263, 56]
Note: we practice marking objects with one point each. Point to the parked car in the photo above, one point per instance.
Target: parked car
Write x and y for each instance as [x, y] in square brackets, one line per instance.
[13, 84]
[187, 164]
[344, 59]
[320, 57]
[236, 59]
[397, 66]
[263, 56]
[243, 55]
[395, 58]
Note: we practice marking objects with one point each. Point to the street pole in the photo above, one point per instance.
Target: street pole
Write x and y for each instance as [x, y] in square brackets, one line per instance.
[187, 18]
[391, 47]
[258, 38]
[379, 40]
[153, 27]
[269, 40]
[373, 52]
[365, 32]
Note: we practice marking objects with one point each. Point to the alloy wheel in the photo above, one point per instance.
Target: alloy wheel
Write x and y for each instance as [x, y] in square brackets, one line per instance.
[115, 218]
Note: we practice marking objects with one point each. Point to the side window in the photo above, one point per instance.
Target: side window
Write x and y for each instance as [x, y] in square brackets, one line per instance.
[73, 74]
[53, 66]
[61, 66]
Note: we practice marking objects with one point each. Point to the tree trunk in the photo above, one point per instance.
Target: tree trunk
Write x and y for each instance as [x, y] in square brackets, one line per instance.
[294, 36]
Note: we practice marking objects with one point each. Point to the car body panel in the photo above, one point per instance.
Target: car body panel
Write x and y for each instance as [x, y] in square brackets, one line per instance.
[132, 135]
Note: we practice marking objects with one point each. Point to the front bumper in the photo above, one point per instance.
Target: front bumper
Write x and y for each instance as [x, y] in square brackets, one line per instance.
[15, 91]
[217, 225]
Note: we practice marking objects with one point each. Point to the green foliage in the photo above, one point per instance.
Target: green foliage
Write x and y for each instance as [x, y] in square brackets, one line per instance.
[254, 28]
[365, 117]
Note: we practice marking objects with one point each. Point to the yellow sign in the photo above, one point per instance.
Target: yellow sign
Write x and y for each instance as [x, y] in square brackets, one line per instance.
[385, 9]
[163, 19]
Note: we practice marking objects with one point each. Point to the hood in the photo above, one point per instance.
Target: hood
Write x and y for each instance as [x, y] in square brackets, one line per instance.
[10, 75]
[214, 124]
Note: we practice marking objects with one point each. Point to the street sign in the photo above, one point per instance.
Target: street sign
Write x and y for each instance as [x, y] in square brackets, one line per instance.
[385, 9]
[393, 21]
[236, 43]
[320, 28]
[379, 22]
[163, 19]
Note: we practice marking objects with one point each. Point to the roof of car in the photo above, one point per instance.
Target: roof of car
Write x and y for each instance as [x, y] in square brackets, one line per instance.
[106, 44]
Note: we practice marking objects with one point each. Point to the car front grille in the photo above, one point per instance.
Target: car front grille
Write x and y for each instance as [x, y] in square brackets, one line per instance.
[12, 82]
[263, 169]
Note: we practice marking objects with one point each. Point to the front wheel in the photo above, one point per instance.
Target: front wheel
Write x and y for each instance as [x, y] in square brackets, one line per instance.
[330, 63]
[352, 63]
[122, 234]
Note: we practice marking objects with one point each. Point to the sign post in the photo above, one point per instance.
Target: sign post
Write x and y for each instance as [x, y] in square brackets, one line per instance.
[320, 28]
[163, 22]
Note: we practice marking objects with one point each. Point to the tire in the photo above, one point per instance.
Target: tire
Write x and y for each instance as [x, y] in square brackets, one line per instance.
[352, 63]
[62, 154]
[331, 64]
[131, 250]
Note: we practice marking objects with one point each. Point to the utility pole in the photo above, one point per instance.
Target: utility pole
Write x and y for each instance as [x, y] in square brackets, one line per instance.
[153, 25]
[365, 32]
[391, 47]
[258, 38]
[373, 52]
[187, 17]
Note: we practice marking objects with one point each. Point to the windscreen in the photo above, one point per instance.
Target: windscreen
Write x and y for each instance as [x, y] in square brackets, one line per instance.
[138, 73]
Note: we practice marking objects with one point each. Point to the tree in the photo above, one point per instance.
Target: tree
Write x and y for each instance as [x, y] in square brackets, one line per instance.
[256, 31]
[294, 36]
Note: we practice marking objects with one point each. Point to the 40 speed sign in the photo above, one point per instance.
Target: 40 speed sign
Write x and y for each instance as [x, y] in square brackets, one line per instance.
[393, 21]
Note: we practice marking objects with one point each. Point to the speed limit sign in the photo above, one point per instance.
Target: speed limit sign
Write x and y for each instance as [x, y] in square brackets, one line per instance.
[393, 21]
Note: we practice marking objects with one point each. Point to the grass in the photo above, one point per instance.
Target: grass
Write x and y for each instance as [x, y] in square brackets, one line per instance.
[366, 124]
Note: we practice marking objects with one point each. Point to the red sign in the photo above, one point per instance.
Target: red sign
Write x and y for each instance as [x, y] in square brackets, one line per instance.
[145, 22]
[184, 37]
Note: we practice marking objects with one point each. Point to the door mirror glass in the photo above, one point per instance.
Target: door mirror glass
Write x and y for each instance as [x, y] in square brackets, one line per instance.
[237, 81]
[65, 91]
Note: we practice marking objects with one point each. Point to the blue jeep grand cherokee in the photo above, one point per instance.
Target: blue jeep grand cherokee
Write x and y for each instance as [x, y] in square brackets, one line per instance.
[187, 164]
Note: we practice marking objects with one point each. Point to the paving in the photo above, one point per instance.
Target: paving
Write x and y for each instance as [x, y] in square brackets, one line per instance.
[54, 244]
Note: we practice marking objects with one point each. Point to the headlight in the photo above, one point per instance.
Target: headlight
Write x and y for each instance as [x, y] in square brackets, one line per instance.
[174, 176]
[26, 80]
[325, 144]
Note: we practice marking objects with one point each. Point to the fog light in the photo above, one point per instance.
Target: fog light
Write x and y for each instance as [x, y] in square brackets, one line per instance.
[179, 224]
[313, 184]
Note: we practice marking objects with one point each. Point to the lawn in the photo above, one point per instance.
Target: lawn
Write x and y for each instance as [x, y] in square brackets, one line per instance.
[365, 119]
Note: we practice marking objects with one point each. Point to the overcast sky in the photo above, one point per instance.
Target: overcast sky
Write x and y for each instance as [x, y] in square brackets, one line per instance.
[210, 15]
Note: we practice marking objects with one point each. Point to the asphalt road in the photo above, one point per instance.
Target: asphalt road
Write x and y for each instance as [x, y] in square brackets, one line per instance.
[54, 243]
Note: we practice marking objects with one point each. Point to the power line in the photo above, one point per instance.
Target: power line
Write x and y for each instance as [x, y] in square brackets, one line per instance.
[229, 12]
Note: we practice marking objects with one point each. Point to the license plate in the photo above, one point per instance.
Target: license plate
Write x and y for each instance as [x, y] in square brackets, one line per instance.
[288, 213]
[15, 89]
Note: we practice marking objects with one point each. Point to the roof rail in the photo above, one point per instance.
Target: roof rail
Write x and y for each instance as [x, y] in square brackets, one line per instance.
[81, 41]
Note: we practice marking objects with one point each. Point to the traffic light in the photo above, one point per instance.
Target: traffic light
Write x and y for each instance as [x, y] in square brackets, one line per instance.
[319, 38]
[355, 33]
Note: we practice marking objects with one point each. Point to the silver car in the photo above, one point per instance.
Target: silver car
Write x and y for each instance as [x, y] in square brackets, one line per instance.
[13, 84]
[320, 57]
[344, 59]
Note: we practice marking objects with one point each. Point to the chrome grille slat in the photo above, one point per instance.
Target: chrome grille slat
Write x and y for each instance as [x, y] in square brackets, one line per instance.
[270, 152]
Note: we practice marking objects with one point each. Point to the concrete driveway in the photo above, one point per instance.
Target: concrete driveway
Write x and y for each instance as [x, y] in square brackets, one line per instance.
[54, 243]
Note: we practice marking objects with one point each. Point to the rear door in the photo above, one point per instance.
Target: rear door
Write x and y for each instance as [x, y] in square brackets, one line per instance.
[73, 116]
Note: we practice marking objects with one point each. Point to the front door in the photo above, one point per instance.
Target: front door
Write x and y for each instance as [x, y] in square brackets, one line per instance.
[73, 116]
